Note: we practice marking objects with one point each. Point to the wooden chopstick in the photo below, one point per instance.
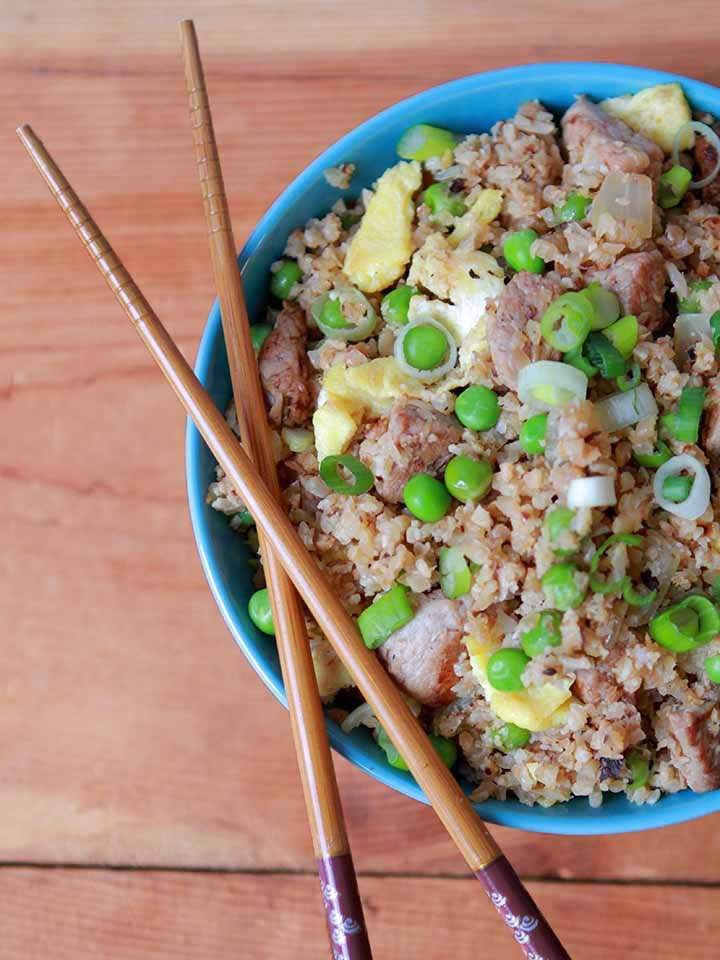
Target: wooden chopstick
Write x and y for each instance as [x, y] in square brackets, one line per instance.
[322, 797]
[505, 889]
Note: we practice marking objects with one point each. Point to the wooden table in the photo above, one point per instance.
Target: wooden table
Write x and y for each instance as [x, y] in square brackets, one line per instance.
[149, 801]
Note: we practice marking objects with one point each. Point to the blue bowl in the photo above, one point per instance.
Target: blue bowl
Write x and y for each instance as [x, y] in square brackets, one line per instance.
[469, 104]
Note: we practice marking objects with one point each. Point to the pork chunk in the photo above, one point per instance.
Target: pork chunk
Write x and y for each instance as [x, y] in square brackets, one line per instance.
[421, 655]
[695, 746]
[595, 141]
[524, 299]
[706, 158]
[285, 371]
[415, 440]
[638, 280]
[594, 686]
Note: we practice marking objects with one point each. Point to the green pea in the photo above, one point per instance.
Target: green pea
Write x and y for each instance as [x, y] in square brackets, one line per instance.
[426, 498]
[712, 668]
[259, 332]
[638, 763]
[516, 250]
[561, 586]
[532, 434]
[395, 304]
[261, 612]
[478, 408]
[511, 737]
[284, 279]
[505, 668]
[242, 519]
[468, 479]
[445, 749]
[545, 633]
[439, 198]
[673, 186]
[556, 524]
[425, 347]
[575, 207]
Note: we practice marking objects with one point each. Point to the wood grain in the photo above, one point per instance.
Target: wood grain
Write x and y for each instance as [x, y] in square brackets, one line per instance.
[79, 915]
[132, 730]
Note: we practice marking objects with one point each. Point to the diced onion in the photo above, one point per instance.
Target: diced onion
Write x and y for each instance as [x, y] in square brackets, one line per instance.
[689, 329]
[623, 207]
[360, 716]
[624, 409]
[704, 130]
[546, 384]
[699, 498]
[427, 376]
[586, 492]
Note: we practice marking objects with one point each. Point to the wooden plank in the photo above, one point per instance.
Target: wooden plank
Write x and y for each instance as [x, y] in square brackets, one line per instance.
[133, 731]
[84, 915]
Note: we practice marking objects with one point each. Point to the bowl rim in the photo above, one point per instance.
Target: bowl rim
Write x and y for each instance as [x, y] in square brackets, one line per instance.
[592, 822]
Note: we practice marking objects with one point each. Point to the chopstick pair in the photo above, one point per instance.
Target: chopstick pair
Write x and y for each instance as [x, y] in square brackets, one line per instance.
[506, 891]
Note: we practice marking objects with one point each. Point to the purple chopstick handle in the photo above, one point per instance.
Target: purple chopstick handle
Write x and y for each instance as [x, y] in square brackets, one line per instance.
[343, 909]
[520, 912]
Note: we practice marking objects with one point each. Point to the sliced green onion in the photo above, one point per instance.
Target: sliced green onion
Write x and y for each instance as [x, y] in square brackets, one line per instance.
[384, 616]
[575, 207]
[691, 304]
[715, 330]
[604, 355]
[330, 471]
[621, 410]
[586, 492]
[606, 306]
[677, 488]
[429, 374]
[455, 577]
[424, 141]
[637, 599]
[242, 520]
[543, 634]
[638, 764]
[709, 134]
[630, 379]
[715, 589]
[259, 332]
[576, 358]
[698, 499]
[388, 747]
[689, 624]
[656, 459]
[547, 384]
[597, 584]
[673, 186]
[567, 321]
[684, 423]
[623, 334]
[344, 314]
[446, 749]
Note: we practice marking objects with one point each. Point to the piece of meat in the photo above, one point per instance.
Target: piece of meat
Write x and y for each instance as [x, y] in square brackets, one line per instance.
[415, 440]
[598, 142]
[711, 428]
[525, 298]
[285, 370]
[594, 686]
[421, 655]
[695, 746]
[706, 158]
[638, 280]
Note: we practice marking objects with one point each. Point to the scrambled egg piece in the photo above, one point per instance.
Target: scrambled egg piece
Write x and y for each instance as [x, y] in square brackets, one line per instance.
[539, 707]
[379, 251]
[486, 208]
[334, 426]
[656, 112]
[467, 278]
[350, 392]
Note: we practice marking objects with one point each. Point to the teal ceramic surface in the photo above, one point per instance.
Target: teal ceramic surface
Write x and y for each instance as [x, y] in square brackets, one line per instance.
[471, 104]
